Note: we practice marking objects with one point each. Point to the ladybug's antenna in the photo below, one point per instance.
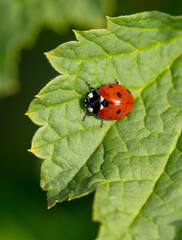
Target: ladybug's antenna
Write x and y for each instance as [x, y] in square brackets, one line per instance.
[92, 88]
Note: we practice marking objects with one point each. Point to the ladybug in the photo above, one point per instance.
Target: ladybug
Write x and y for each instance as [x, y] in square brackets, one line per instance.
[109, 102]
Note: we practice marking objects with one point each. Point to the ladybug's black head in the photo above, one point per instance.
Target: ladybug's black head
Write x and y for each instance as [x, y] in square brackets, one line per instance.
[93, 102]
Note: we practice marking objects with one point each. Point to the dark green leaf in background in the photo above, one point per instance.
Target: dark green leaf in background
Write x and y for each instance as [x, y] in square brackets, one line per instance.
[21, 20]
[134, 163]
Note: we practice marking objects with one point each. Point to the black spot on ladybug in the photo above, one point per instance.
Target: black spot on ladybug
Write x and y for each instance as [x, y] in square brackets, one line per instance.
[119, 110]
[111, 86]
[119, 95]
[128, 91]
[105, 103]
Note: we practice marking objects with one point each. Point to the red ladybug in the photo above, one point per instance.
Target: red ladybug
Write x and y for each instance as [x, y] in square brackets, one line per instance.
[109, 102]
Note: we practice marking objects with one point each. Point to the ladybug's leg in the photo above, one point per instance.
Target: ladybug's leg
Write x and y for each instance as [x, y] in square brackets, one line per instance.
[102, 120]
[92, 88]
[84, 116]
[117, 81]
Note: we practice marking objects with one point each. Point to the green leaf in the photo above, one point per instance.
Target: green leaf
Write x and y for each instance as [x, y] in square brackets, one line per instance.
[135, 163]
[22, 20]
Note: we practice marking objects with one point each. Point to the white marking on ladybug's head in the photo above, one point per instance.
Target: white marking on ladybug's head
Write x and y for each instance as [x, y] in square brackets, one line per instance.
[90, 95]
[101, 107]
[102, 99]
[90, 109]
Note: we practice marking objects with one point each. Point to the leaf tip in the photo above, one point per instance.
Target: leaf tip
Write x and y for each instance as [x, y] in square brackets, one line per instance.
[95, 219]
[47, 54]
[77, 33]
[30, 150]
[49, 207]
[74, 30]
[37, 95]
[108, 18]
[51, 203]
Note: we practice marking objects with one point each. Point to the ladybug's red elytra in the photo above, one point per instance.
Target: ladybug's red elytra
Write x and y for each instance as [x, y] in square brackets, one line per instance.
[109, 102]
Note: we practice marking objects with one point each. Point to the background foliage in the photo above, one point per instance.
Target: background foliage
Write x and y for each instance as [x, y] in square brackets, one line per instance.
[23, 204]
[25, 18]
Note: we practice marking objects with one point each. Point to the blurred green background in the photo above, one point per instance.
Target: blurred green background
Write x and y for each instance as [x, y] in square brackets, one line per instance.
[23, 206]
